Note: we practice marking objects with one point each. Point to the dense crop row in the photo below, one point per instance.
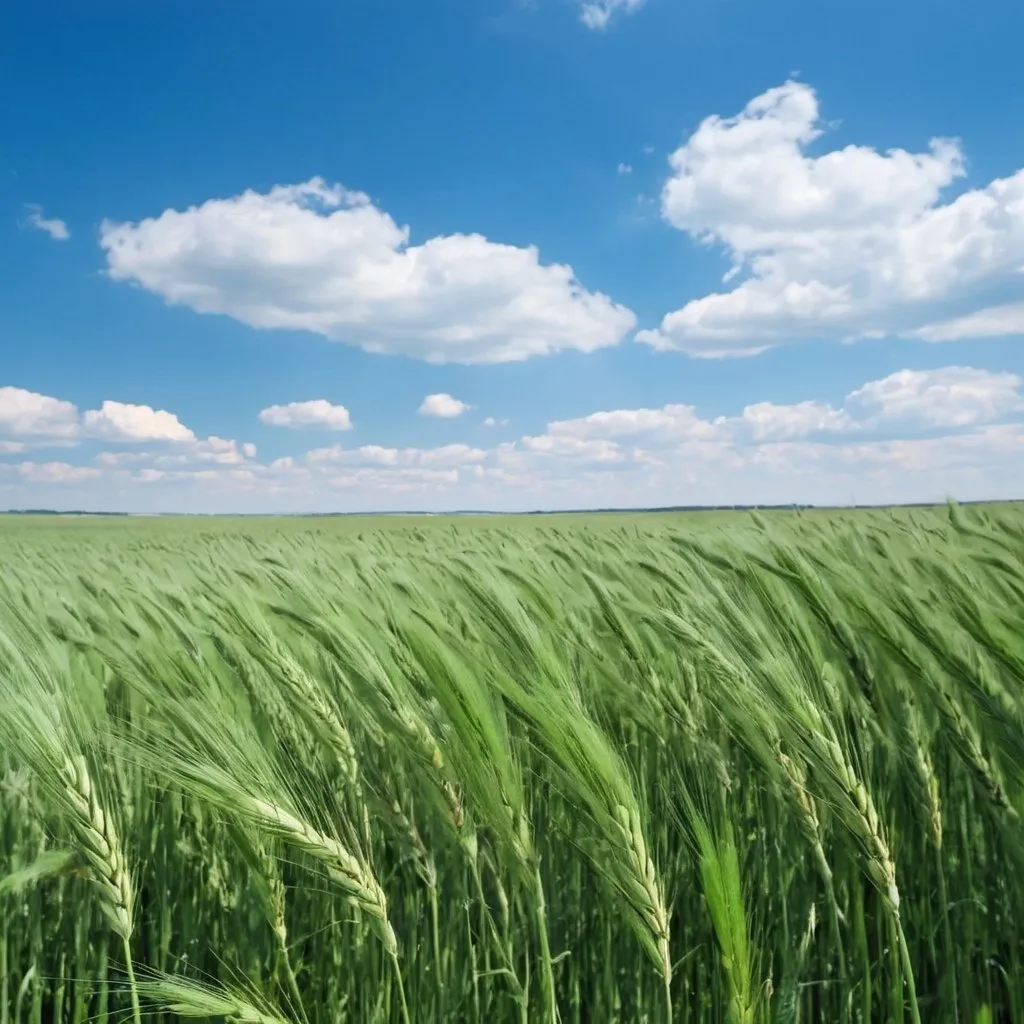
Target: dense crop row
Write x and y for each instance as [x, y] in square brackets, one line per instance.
[734, 769]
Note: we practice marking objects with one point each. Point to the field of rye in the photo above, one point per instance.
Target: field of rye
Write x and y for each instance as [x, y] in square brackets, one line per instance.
[735, 768]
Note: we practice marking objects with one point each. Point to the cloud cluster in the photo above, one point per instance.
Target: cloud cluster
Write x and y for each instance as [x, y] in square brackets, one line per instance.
[29, 420]
[922, 400]
[840, 244]
[848, 244]
[31, 415]
[446, 456]
[914, 435]
[823, 244]
[320, 258]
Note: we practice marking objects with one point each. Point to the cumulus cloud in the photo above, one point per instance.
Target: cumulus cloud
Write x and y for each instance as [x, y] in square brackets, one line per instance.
[956, 396]
[316, 413]
[672, 422]
[218, 450]
[31, 420]
[848, 244]
[442, 406]
[222, 450]
[953, 396]
[596, 14]
[576, 448]
[320, 258]
[27, 413]
[493, 421]
[880, 444]
[769, 421]
[117, 421]
[449, 455]
[55, 228]
[911, 436]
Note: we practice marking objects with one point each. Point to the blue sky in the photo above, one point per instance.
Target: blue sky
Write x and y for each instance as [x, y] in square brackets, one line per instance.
[509, 254]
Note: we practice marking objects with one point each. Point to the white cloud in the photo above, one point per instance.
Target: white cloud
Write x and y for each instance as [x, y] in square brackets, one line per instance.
[316, 413]
[990, 322]
[956, 396]
[122, 458]
[577, 448]
[449, 455]
[320, 258]
[442, 406]
[849, 244]
[952, 397]
[41, 417]
[224, 451]
[117, 421]
[217, 450]
[27, 413]
[671, 422]
[768, 421]
[596, 14]
[46, 422]
[911, 436]
[55, 228]
[55, 472]
[624, 169]
[493, 421]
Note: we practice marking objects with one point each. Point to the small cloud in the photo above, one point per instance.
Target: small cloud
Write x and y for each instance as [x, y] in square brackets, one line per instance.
[54, 227]
[442, 406]
[317, 413]
[648, 150]
[596, 14]
[249, 450]
[624, 169]
[492, 422]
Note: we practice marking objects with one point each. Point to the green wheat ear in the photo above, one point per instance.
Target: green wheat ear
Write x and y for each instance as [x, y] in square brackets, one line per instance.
[100, 844]
[192, 999]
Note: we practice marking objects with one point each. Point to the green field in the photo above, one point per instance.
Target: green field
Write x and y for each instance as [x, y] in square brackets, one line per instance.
[696, 767]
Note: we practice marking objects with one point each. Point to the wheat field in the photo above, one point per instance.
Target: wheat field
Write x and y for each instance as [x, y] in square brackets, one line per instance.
[737, 767]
